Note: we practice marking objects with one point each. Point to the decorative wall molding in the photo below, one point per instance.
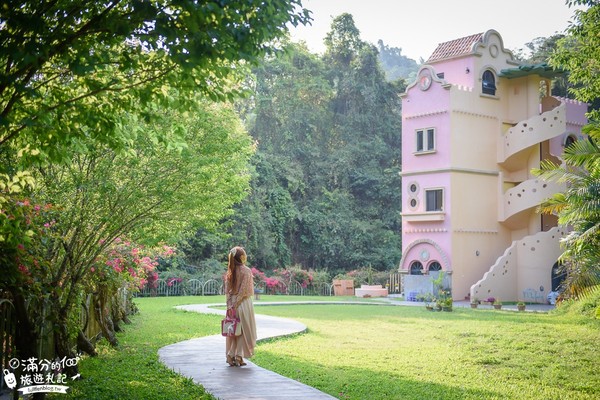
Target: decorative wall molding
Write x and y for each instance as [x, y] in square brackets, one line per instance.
[463, 88]
[474, 114]
[437, 230]
[427, 114]
[445, 262]
[576, 123]
[476, 231]
[572, 101]
[445, 170]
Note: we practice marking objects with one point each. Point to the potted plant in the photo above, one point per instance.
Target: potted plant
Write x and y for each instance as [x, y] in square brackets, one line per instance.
[490, 300]
[429, 299]
[497, 304]
[474, 302]
[521, 306]
[439, 304]
[447, 304]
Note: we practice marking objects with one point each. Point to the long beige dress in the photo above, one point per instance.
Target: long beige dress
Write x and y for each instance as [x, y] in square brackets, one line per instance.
[241, 299]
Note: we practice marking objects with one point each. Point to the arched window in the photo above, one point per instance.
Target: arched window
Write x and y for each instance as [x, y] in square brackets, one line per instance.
[488, 84]
[435, 266]
[570, 140]
[416, 268]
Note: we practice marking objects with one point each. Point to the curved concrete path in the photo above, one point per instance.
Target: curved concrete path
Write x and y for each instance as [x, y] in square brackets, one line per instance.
[203, 360]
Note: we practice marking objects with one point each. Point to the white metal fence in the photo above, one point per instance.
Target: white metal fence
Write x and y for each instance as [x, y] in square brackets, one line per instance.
[198, 287]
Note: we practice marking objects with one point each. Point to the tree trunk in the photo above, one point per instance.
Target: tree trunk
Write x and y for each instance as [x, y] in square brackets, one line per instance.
[104, 319]
[63, 348]
[84, 344]
[26, 336]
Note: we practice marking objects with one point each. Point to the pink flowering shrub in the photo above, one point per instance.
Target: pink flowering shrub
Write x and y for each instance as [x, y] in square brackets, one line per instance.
[24, 226]
[127, 263]
[259, 277]
[275, 286]
[172, 281]
[294, 273]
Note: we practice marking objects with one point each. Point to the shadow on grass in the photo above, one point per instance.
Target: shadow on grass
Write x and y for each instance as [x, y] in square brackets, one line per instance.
[347, 382]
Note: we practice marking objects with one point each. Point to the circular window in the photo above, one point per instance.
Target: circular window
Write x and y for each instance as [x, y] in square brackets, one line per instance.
[413, 203]
[494, 51]
[413, 187]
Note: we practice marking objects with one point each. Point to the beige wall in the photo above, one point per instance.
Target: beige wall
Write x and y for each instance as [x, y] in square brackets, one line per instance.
[524, 270]
[477, 237]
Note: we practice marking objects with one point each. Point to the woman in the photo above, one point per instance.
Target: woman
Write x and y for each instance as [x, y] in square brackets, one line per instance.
[239, 289]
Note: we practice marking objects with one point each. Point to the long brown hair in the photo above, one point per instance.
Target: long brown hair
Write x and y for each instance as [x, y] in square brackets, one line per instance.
[237, 256]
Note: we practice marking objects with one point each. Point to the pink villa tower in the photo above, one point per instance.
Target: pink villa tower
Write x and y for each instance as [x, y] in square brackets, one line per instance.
[475, 123]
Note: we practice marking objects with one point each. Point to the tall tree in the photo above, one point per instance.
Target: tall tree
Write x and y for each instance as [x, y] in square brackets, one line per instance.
[579, 206]
[156, 192]
[325, 193]
[81, 62]
[365, 156]
[395, 64]
[290, 119]
[540, 51]
[579, 53]
[73, 76]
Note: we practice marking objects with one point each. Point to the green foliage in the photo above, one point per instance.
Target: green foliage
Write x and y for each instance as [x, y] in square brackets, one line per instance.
[395, 64]
[588, 306]
[153, 192]
[579, 51]
[68, 70]
[27, 230]
[326, 172]
[465, 354]
[133, 370]
[102, 102]
[578, 207]
[541, 50]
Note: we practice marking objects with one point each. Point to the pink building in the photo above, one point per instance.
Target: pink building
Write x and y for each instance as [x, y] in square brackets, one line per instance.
[475, 123]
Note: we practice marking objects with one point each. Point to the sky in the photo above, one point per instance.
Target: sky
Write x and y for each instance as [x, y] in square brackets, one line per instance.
[418, 26]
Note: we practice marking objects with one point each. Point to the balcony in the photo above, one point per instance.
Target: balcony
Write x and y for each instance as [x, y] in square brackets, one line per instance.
[526, 196]
[520, 138]
[431, 216]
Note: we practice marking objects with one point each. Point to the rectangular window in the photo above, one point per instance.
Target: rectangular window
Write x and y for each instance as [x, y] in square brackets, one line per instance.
[425, 139]
[430, 139]
[434, 199]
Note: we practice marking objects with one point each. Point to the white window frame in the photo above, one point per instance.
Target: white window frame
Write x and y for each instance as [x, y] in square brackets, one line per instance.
[427, 137]
[427, 191]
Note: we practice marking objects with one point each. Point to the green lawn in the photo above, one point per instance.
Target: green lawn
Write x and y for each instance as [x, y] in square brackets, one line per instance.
[133, 371]
[374, 352]
[369, 352]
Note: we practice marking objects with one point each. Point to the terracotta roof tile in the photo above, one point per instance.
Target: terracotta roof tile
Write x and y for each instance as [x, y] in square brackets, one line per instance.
[455, 48]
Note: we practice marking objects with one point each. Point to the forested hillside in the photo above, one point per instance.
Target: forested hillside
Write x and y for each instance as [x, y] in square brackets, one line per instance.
[325, 185]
